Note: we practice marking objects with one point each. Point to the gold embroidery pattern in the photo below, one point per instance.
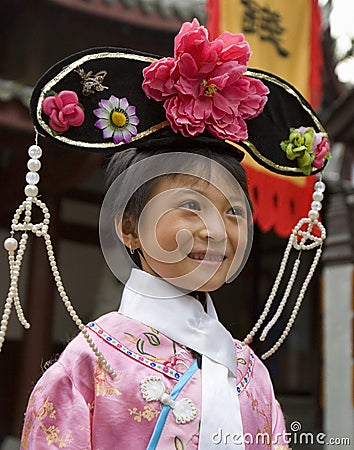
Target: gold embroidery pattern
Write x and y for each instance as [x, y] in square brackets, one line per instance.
[148, 414]
[75, 65]
[103, 387]
[52, 433]
[266, 433]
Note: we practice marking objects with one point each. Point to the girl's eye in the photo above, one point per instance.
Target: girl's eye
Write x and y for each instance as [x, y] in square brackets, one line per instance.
[237, 211]
[191, 205]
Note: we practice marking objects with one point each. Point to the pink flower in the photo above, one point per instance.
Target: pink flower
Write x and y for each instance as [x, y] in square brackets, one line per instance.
[204, 87]
[322, 151]
[195, 439]
[63, 111]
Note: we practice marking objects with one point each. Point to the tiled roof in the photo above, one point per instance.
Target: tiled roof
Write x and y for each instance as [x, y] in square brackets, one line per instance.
[10, 90]
[184, 9]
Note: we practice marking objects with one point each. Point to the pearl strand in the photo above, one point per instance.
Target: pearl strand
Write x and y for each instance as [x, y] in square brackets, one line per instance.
[248, 339]
[40, 230]
[283, 301]
[300, 240]
[68, 305]
[296, 306]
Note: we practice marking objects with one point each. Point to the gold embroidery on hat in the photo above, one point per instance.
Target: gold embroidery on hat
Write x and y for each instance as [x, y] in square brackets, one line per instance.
[253, 149]
[92, 83]
[267, 161]
[76, 66]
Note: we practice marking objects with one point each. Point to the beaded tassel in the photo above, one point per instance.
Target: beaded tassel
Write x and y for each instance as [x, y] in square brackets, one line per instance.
[299, 240]
[15, 259]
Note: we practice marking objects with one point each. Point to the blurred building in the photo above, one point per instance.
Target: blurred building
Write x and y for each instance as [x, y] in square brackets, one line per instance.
[34, 35]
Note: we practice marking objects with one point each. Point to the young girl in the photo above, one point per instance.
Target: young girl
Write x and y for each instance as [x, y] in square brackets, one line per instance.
[163, 372]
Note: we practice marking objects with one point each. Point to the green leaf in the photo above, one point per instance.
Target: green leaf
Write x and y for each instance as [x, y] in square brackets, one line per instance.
[152, 338]
[178, 443]
[140, 347]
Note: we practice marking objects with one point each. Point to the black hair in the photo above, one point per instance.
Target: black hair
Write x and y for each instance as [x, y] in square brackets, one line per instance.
[224, 154]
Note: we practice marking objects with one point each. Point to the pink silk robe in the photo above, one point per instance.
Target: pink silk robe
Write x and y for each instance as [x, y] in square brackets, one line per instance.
[77, 405]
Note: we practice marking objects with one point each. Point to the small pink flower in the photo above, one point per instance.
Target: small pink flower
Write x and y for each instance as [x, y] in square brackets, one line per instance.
[63, 110]
[204, 87]
[195, 439]
[321, 152]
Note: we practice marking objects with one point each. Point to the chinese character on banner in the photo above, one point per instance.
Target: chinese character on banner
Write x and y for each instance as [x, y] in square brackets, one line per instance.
[285, 38]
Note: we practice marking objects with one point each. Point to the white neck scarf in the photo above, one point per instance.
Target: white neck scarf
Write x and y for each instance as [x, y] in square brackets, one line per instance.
[181, 317]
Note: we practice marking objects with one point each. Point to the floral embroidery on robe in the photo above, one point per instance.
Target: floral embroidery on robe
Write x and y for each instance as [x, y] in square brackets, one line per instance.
[76, 404]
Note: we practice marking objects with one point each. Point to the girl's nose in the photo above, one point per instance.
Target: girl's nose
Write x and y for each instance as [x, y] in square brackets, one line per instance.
[212, 226]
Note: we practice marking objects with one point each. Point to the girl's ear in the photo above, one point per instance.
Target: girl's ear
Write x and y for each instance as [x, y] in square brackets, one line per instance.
[127, 232]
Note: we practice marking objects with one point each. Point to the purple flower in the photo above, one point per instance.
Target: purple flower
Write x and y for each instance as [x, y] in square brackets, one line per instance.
[116, 119]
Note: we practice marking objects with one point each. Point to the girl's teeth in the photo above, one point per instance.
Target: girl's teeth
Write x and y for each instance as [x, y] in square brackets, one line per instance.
[209, 258]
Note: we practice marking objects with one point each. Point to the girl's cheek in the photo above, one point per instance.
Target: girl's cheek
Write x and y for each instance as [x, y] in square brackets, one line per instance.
[171, 234]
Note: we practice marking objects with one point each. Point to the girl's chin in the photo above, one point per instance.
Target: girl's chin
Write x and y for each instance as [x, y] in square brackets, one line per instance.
[204, 276]
[200, 283]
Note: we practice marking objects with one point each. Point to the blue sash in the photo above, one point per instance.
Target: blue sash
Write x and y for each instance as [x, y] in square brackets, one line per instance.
[156, 434]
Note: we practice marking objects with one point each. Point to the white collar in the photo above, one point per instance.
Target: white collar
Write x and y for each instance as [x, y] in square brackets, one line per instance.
[181, 317]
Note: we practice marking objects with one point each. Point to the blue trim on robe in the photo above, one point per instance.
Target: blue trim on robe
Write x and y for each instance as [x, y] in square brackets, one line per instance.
[156, 434]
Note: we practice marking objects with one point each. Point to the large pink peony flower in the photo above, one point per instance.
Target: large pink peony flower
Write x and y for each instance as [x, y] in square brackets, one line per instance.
[204, 86]
[63, 110]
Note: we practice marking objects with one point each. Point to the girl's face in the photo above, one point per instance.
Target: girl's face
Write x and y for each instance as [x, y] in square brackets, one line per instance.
[192, 233]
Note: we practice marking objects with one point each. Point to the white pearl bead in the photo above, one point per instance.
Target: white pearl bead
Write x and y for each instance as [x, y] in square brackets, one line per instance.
[32, 177]
[318, 196]
[35, 151]
[31, 191]
[320, 186]
[10, 244]
[34, 165]
[317, 206]
[313, 215]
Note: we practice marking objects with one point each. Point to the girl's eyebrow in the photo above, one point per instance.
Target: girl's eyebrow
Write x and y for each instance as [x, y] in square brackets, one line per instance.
[231, 199]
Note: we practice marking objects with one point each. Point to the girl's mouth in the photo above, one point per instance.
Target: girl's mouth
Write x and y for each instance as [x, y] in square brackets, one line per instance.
[209, 258]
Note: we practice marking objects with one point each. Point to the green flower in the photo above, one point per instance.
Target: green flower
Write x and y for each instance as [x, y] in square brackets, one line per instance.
[300, 146]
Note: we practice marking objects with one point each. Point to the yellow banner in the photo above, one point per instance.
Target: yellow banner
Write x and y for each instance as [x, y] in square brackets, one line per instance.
[279, 35]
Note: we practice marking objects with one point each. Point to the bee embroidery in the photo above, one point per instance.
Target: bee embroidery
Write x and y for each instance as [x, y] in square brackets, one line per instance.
[92, 83]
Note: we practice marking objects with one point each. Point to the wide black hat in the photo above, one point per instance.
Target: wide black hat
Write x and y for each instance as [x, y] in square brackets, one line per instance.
[95, 100]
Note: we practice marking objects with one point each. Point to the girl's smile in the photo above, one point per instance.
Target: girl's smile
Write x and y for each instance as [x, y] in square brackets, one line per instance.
[212, 258]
